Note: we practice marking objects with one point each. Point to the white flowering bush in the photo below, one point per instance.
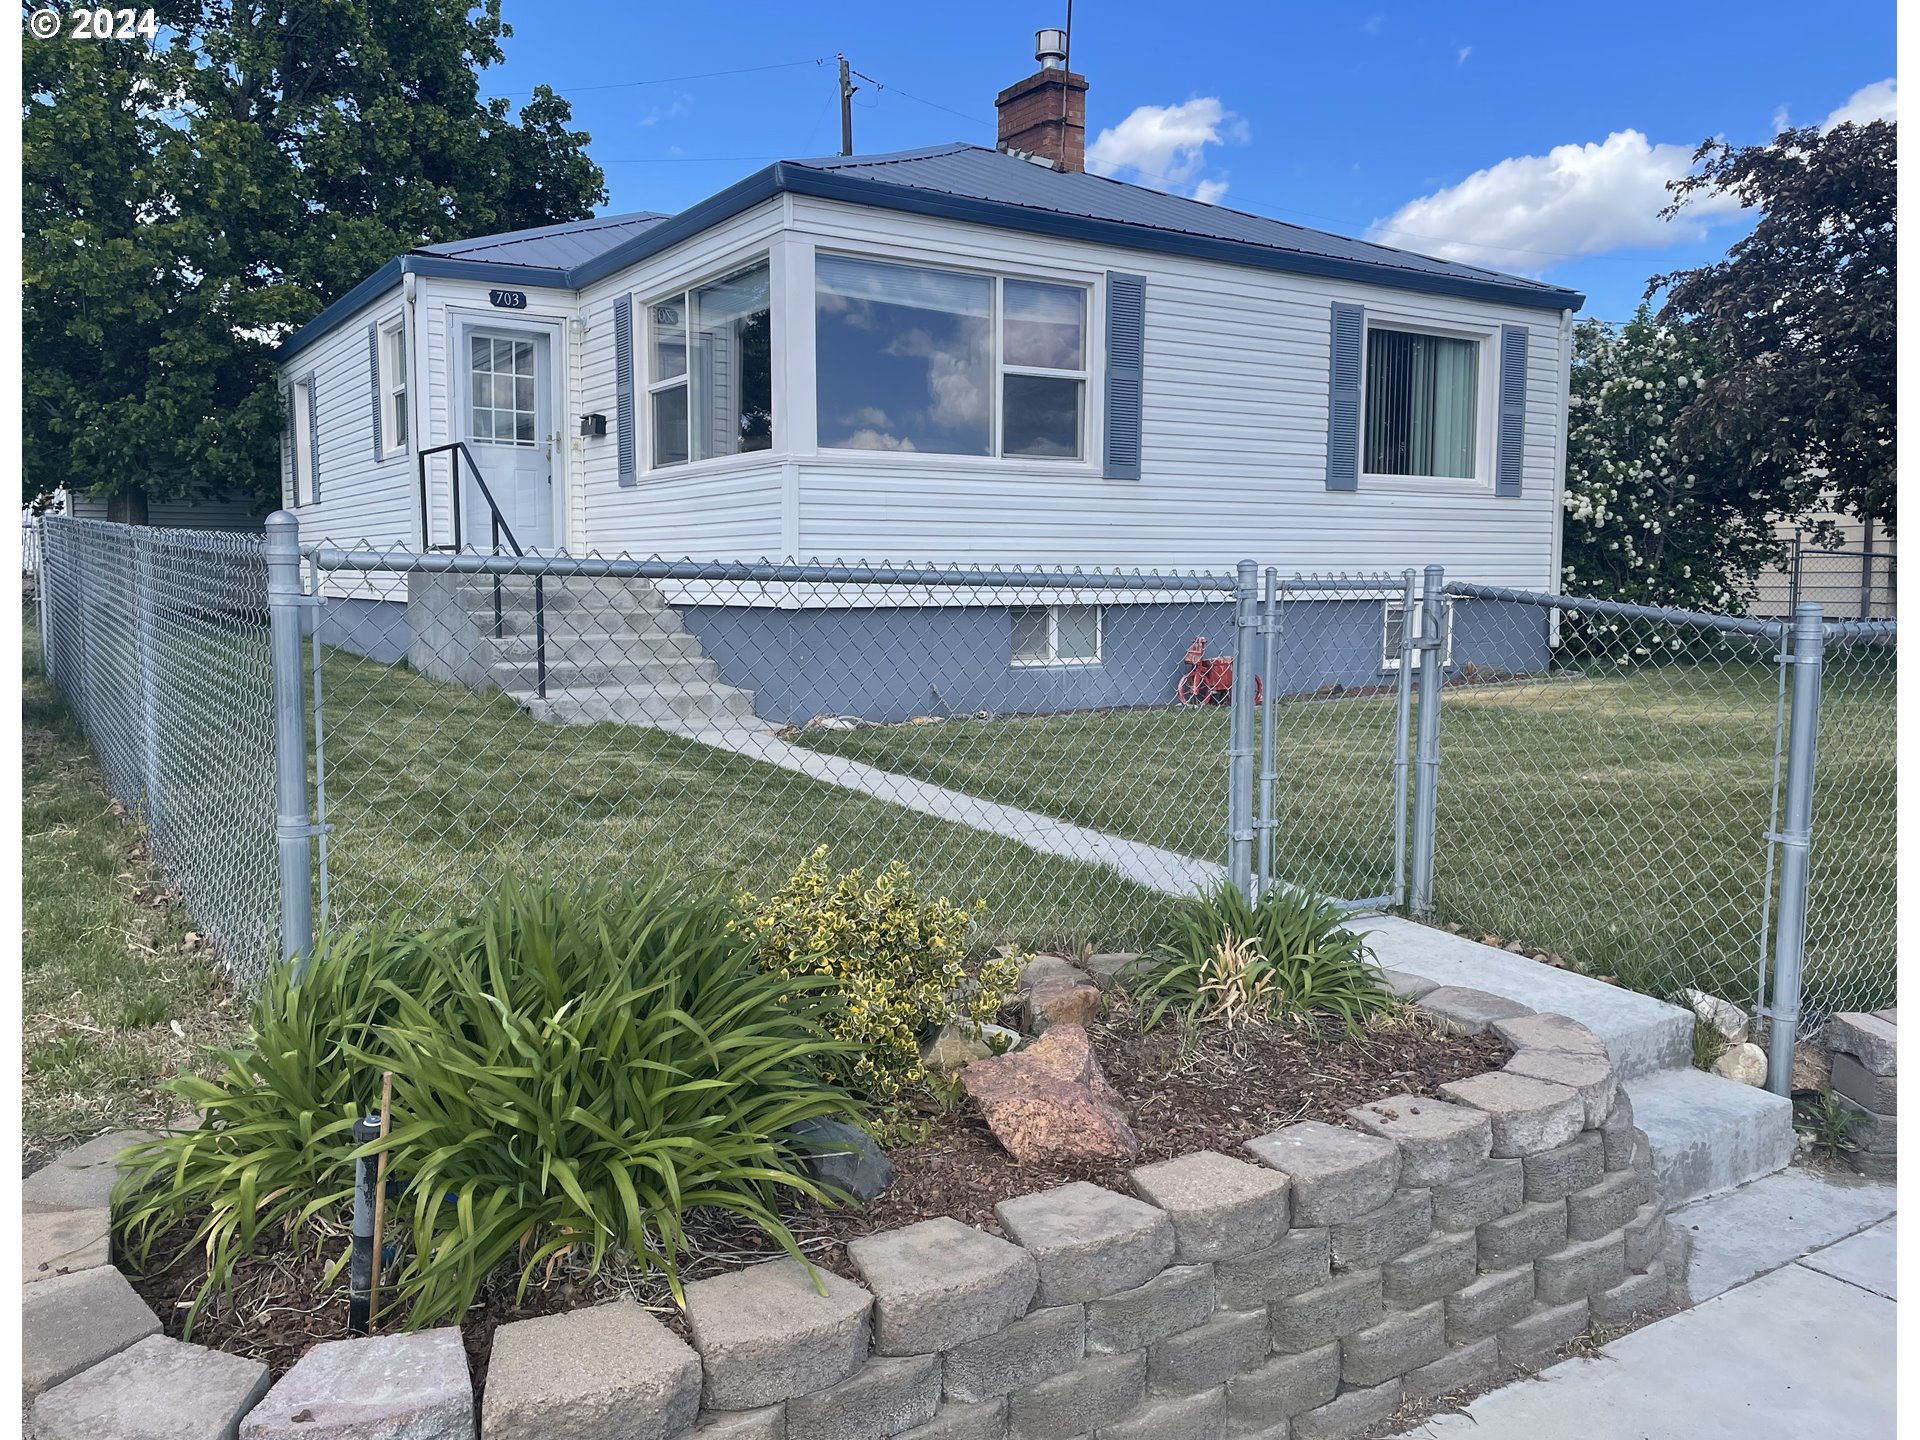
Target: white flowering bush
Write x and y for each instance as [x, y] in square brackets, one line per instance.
[1650, 519]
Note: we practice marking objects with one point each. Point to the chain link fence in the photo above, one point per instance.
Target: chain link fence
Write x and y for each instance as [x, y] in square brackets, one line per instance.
[160, 641]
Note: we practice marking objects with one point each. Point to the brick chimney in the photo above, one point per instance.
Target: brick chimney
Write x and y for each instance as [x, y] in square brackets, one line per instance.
[1046, 113]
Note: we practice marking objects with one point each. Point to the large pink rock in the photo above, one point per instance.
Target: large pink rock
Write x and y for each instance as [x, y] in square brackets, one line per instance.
[1051, 1101]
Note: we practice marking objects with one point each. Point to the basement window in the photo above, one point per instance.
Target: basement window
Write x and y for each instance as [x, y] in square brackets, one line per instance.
[1056, 634]
[1393, 620]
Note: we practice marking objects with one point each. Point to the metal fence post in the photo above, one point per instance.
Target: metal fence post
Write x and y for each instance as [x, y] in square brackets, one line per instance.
[146, 646]
[1431, 645]
[1246, 631]
[1270, 646]
[1795, 839]
[1402, 741]
[286, 605]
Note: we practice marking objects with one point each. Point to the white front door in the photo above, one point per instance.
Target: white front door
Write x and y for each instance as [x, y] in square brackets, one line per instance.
[507, 420]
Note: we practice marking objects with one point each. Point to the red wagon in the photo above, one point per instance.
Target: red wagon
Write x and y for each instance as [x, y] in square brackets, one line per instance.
[1208, 679]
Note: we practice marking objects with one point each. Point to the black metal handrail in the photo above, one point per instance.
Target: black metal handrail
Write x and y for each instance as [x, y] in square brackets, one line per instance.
[501, 530]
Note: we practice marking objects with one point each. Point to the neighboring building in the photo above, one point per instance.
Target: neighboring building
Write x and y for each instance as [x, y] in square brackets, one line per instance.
[951, 354]
[205, 514]
[1851, 575]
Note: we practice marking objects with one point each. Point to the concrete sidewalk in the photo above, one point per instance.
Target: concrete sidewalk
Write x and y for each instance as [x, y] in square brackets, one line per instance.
[1806, 1349]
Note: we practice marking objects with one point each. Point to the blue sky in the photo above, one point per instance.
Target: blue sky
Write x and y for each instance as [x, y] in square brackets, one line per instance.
[1527, 137]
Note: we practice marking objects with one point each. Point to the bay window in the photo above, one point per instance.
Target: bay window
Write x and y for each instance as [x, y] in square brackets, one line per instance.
[913, 358]
[710, 369]
[1422, 404]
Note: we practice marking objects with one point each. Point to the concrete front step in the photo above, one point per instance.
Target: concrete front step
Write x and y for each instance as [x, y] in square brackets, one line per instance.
[579, 620]
[1710, 1134]
[1642, 1035]
[719, 705]
[643, 673]
[557, 596]
[598, 647]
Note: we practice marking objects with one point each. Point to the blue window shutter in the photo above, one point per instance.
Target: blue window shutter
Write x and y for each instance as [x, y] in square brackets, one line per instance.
[1511, 453]
[313, 436]
[288, 454]
[1126, 362]
[623, 388]
[1349, 324]
[373, 371]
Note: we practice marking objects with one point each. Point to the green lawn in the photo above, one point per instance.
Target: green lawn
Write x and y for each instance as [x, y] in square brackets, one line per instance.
[1617, 820]
[109, 969]
[435, 791]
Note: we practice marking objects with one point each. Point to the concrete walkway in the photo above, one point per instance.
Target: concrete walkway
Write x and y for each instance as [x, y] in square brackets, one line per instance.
[1805, 1349]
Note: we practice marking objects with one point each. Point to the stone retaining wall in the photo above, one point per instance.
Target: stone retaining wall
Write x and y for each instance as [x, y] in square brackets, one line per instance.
[1865, 1075]
[1301, 1292]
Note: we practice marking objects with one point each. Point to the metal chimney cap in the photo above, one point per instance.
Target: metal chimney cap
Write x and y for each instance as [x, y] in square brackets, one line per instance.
[1050, 48]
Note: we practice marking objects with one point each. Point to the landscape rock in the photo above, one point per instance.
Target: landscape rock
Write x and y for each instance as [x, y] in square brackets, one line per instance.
[958, 1044]
[81, 1179]
[1438, 1142]
[938, 1284]
[765, 1333]
[1118, 969]
[1060, 1002]
[841, 1156]
[1336, 1173]
[72, 1322]
[1528, 1114]
[1088, 1241]
[1220, 1207]
[1051, 1101]
[59, 1242]
[1728, 1020]
[1746, 1063]
[1042, 969]
[608, 1369]
[159, 1389]
[381, 1387]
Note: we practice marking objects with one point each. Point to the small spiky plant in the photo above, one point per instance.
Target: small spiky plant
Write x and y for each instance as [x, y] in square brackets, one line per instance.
[1236, 983]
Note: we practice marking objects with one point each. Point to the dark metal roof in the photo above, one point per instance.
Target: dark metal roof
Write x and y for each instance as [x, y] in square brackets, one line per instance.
[958, 182]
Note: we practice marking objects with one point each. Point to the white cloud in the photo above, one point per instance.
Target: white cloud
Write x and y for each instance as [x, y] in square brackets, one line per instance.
[1864, 106]
[672, 108]
[1530, 211]
[1165, 145]
[1465, 51]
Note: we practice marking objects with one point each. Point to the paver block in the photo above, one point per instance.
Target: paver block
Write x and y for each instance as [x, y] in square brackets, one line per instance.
[1406, 984]
[1530, 1232]
[1300, 1260]
[769, 1422]
[765, 1333]
[985, 1421]
[939, 1283]
[1632, 1296]
[1607, 1206]
[1874, 1134]
[159, 1389]
[1395, 1228]
[1438, 1142]
[1436, 1269]
[1285, 1386]
[1555, 1174]
[59, 1242]
[1644, 1234]
[381, 1387]
[1178, 1298]
[1175, 1417]
[1618, 1133]
[1878, 1093]
[1549, 1032]
[1402, 1341]
[1048, 1342]
[1349, 1415]
[1460, 1369]
[83, 1178]
[1489, 1304]
[1528, 1341]
[1095, 1392]
[1873, 1040]
[1577, 1270]
[72, 1322]
[1591, 1077]
[1207, 1355]
[1088, 1241]
[1528, 1115]
[1468, 1012]
[887, 1396]
[604, 1370]
[1497, 1189]
[1220, 1207]
[1336, 1173]
[1334, 1310]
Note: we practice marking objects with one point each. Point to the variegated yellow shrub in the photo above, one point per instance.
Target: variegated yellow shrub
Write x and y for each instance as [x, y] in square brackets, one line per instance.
[901, 963]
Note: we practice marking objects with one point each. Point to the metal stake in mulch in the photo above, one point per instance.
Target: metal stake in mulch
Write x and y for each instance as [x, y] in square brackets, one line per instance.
[369, 1213]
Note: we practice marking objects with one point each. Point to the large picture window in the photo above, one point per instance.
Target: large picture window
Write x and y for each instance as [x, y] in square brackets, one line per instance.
[710, 369]
[910, 358]
[1422, 409]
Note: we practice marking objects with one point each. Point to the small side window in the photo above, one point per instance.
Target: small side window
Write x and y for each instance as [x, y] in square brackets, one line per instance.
[301, 420]
[393, 386]
[1393, 629]
[1056, 634]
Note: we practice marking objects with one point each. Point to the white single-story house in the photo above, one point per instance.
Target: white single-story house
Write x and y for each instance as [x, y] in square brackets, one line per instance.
[952, 354]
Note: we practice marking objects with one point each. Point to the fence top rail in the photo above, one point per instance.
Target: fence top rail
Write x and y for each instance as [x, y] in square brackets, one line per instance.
[401, 561]
[1699, 619]
[1863, 629]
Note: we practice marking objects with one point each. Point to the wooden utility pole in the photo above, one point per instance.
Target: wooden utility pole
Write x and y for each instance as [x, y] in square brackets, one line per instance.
[847, 88]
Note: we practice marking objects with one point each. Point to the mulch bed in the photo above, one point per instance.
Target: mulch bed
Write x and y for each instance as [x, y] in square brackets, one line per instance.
[1205, 1090]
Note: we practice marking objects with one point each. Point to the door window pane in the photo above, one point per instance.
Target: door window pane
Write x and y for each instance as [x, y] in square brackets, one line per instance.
[1042, 416]
[904, 357]
[504, 399]
[1044, 326]
[1422, 401]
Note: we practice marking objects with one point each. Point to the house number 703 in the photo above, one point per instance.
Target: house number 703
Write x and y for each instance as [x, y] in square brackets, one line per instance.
[507, 299]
